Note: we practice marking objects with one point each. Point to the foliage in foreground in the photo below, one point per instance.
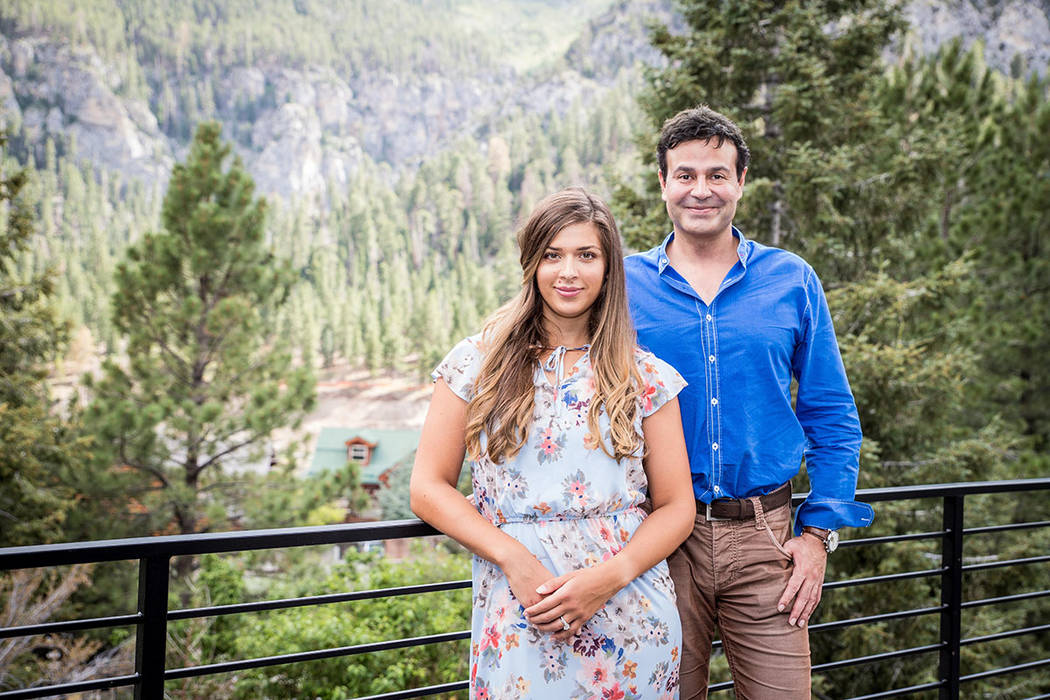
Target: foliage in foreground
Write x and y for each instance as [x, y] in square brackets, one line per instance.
[327, 626]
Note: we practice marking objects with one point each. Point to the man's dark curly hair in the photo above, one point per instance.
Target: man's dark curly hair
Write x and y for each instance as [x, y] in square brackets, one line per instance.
[701, 124]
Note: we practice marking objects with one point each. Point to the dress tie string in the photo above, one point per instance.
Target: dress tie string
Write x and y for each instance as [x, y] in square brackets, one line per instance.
[556, 363]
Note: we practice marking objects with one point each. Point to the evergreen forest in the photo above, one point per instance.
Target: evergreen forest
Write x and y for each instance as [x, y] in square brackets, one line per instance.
[917, 185]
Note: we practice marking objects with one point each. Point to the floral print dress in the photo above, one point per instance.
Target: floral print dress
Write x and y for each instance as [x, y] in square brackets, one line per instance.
[572, 506]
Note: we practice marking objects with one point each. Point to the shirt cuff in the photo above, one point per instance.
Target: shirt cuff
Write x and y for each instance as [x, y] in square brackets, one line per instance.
[832, 514]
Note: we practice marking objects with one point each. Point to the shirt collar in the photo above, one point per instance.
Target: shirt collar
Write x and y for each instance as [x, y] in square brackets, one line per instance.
[743, 250]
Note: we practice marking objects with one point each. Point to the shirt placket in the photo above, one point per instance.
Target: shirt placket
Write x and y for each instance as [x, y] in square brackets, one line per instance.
[709, 349]
[708, 318]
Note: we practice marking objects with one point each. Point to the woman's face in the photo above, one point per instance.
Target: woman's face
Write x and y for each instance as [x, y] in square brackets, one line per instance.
[571, 272]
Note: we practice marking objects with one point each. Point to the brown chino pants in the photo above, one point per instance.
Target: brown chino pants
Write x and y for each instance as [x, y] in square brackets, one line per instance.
[733, 572]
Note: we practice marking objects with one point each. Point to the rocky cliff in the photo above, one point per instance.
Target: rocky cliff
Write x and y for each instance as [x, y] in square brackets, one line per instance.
[308, 129]
[54, 89]
[1016, 33]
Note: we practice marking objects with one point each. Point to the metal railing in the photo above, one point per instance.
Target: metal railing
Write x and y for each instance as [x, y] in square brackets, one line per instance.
[154, 555]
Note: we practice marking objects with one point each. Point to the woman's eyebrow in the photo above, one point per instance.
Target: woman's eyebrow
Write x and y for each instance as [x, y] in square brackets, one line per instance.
[589, 246]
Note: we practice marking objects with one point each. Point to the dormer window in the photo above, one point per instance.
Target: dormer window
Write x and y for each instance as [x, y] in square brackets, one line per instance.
[359, 450]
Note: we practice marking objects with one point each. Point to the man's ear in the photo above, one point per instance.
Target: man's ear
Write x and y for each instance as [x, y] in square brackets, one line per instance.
[743, 176]
[660, 176]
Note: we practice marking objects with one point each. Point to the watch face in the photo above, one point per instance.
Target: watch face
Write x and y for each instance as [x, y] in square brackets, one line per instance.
[832, 542]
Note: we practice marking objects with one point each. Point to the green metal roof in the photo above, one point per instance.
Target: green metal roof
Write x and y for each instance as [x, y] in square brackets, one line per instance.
[392, 447]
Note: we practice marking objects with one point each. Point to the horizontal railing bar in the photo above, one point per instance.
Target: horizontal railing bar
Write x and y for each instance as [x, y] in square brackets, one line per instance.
[897, 692]
[883, 617]
[1003, 671]
[67, 688]
[316, 655]
[71, 625]
[420, 692]
[280, 604]
[1005, 528]
[849, 583]
[892, 538]
[208, 543]
[726, 685]
[857, 660]
[870, 619]
[1044, 696]
[904, 493]
[237, 541]
[1004, 599]
[1004, 635]
[1008, 562]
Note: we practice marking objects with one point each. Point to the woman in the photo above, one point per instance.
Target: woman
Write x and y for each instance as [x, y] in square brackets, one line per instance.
[552, 402]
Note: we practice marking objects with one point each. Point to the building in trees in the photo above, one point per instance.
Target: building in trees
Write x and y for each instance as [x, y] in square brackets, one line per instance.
[375, 452]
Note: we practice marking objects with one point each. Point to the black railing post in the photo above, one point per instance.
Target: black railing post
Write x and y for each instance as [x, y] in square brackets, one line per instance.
[951, 596]
[151, 633]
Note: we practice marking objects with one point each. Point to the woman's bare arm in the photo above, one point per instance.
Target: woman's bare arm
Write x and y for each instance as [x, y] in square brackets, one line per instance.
[435, 499]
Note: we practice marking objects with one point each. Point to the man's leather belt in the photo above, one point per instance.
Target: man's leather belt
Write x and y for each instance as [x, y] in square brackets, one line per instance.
[742, 508]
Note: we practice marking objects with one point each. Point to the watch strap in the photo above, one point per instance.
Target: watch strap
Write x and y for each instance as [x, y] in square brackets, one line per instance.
[825, 536]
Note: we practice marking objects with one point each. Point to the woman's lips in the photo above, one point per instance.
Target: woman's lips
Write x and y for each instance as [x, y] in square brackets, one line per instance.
[568, 292]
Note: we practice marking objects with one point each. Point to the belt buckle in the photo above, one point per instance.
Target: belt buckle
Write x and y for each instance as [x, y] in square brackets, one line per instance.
[712, 518]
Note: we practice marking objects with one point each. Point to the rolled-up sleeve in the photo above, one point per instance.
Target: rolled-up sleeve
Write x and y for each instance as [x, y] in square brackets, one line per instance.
[828, 415]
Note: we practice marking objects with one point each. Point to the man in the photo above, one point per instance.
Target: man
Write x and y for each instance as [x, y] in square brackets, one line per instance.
[739, 320]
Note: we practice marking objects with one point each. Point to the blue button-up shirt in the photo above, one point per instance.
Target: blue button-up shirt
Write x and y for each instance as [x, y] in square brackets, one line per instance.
[768, 322]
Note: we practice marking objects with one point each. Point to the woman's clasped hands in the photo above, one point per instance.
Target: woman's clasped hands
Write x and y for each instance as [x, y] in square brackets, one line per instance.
[570, 600]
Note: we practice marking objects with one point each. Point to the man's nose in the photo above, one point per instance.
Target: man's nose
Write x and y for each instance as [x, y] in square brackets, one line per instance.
[700, 188]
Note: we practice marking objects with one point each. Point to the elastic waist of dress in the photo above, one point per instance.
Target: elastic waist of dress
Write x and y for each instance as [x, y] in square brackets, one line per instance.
[567, 517]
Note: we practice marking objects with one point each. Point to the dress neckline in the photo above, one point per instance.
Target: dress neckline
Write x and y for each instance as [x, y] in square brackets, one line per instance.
[557, 357]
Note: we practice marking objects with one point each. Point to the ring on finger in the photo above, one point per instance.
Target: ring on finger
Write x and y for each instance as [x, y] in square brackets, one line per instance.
[564, 623]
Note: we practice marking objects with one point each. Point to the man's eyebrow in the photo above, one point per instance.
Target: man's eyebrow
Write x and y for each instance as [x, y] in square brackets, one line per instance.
[691, 169]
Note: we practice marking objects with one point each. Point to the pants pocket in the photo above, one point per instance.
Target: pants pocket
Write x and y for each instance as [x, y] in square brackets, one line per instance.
[781, 535]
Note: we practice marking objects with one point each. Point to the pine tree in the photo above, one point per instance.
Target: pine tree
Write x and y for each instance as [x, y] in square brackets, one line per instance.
[1013, 222]
[206, 379]
[793, 75]
[990, 155]
[36, 448]
[884, 184]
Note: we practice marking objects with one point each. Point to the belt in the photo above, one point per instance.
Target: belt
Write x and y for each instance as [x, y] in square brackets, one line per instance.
[743, 508]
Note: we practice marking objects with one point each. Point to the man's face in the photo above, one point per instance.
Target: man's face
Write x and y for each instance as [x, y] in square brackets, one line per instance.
[701, 189]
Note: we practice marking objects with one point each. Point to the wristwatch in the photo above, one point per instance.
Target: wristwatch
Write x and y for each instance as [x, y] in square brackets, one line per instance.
[830, 538]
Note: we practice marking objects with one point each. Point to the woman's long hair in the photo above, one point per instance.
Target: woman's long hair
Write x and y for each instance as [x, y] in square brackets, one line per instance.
[513, 340]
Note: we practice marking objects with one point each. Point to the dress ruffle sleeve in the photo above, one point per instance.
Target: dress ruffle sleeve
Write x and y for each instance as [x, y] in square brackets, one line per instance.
[460, 368]
[661, 381]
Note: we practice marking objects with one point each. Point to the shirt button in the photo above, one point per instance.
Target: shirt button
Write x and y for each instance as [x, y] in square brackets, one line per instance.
[718, 490]
[714, 446]
[711, 358]
[709, 317]
[714, 402]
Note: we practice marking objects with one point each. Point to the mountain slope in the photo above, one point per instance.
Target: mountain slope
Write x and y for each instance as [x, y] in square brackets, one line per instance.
[310, 91]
